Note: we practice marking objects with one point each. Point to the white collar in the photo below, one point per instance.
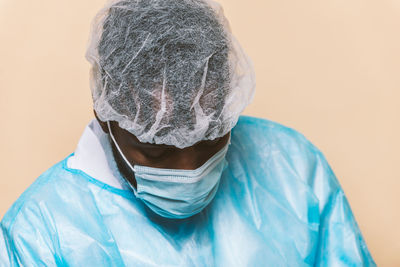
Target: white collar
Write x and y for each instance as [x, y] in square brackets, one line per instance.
[93, 156]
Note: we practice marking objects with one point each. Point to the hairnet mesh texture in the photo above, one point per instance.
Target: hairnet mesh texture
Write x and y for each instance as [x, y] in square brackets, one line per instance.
[168, 71]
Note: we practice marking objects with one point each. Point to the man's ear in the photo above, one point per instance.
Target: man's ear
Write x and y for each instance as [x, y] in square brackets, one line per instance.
[102, 123]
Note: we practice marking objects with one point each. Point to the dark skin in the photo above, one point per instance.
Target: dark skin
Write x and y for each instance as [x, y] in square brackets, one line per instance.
[158, 156]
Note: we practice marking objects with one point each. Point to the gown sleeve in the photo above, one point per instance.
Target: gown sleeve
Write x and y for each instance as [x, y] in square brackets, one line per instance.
[26, 237]
[340, 242]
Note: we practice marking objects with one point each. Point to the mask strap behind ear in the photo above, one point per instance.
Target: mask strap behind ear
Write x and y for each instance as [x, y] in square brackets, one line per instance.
[118, 148]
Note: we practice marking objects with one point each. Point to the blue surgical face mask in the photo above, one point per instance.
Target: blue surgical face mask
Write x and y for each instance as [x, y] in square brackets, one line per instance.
[174, 193]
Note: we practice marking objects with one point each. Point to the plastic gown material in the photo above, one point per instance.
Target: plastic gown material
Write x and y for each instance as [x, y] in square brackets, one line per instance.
[278, 204]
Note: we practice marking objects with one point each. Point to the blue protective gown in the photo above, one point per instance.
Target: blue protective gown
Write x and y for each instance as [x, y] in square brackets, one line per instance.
[278, 204]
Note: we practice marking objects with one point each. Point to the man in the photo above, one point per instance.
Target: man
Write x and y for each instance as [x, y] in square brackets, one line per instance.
[168, 174]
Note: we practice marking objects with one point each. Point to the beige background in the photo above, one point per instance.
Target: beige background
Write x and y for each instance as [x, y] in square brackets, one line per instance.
[329, 69]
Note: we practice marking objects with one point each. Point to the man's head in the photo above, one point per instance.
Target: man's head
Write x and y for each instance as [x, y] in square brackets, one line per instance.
[168, 71]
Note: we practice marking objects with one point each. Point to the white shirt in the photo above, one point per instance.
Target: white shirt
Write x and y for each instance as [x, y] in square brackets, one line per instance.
[93, 156]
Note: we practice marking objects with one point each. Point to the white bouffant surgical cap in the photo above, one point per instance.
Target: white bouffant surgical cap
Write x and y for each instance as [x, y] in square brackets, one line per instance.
[168, 71]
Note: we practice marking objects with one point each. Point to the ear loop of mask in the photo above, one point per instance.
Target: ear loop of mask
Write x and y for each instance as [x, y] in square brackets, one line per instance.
[119, 149]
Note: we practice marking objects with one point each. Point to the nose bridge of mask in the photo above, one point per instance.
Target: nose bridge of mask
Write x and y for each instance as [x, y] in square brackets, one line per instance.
[171, 175]
[182, 176]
